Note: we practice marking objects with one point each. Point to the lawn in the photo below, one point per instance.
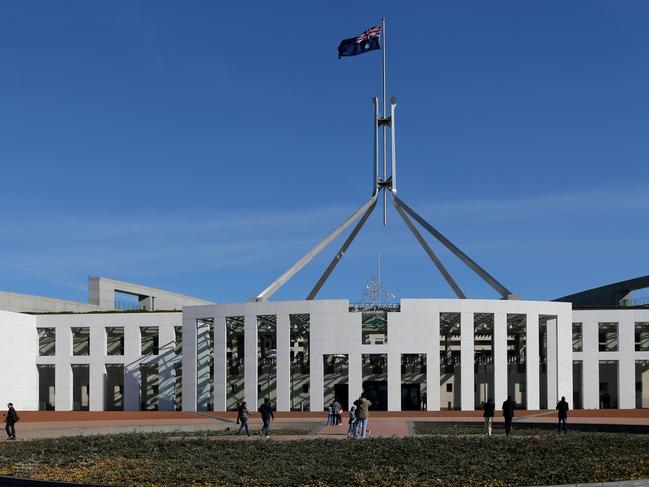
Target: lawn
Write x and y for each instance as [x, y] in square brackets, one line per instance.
[195, 459]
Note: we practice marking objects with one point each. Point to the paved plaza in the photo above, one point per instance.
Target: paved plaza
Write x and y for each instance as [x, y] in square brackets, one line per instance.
[52, 424]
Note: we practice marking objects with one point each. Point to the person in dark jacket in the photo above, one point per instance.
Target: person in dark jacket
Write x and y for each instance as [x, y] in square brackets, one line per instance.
[362, 413]
[266, 411]
[508, 413]
[10, 422]
[562, 408]
[488, 415]
[242, 416]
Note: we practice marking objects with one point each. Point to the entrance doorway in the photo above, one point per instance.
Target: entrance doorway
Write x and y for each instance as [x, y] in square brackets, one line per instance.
[341, 392]
[377, 393]
[410, 397]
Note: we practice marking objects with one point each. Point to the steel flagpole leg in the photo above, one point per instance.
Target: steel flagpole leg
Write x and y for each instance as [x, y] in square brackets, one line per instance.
[385, 135]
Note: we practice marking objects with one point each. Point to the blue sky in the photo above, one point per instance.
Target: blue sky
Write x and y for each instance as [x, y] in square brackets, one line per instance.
[203, 147]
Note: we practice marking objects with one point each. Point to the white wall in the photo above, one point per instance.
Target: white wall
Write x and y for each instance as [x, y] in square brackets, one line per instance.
[625, 355]
[97, 360]
[413, 330]
[18, 349]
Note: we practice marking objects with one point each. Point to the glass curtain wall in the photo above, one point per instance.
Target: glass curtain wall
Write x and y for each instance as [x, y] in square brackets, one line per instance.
[375, 380]
[483, 329]
[336, 379]
[149, 387]
[414, 396]
[544, 322]
[516, 360]
[300, 362]
[205, 364]
[608, 384]
[114, 387]
[234, 326]
[46, 378]
[642, 384]
[577, 384]
[449, 358]
[267, 359]
[80, 387]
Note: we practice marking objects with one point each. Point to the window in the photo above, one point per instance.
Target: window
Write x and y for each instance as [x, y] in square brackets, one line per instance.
[149, 340]
[114, 340]
[608, 337]
[80, 341]
[577, 338]
[178, 334]
[642, 337]
[375, 328]
[46, 341]
[449, 387]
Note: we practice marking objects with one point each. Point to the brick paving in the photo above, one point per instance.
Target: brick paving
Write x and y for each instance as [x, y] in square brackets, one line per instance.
[48, 424]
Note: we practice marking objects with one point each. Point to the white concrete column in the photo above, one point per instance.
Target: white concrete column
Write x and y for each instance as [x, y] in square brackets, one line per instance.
[500, 358]
[189, 363]
[532, 379]
[250, 361]
[132, 386]
[467, 360]
[394, 381]
[132, 360]
[564, 354]
[166, 361]
[626, 365]
[432, 365]
[283, 363]
[316, 378]
[97, 372]
[220, 364]
[63, 371]
[590, 355]
[97, 386]
[356, 378]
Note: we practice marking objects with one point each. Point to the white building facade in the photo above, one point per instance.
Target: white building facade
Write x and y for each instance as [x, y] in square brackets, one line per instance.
[419, 354]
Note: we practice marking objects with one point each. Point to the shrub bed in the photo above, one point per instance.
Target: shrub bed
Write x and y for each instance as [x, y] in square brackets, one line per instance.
[151, 460]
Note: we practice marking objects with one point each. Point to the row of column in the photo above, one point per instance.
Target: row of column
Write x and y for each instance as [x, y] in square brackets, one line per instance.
[559, 363]
[131, 360]
[625, 356]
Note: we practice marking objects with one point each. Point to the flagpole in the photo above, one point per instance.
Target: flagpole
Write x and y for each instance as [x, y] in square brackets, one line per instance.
[385, 137]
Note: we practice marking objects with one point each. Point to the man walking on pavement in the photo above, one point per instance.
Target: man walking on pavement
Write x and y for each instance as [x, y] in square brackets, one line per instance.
[266, 411]
[508, 412]
[10, 419]
[488, 415]
[562, 407]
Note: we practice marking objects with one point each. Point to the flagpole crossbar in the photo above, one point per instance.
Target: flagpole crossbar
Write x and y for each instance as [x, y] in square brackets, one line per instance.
[385, 183]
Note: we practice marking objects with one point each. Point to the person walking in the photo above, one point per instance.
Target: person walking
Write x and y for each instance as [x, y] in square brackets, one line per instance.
[488, 414]
[336, 411]
[352, 421]
[242, 416]
[266, 411]
[362, 414]
[330, 415]
[508, 412]
[10, 420]
[562, 407]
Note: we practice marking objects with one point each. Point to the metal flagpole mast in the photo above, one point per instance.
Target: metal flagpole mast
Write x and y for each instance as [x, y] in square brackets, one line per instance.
[385, 137]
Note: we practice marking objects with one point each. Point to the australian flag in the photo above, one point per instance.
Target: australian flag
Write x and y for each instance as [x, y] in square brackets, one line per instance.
[367, 41]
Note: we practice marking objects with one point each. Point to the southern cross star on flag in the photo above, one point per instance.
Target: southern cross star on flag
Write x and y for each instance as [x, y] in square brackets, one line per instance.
[367, 41]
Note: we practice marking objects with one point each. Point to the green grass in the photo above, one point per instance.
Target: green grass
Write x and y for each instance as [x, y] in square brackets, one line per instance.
[436, 428]
[445, 460]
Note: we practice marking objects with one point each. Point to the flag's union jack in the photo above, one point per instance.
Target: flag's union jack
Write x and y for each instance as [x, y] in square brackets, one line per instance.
[367, 41]
[371, 32]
